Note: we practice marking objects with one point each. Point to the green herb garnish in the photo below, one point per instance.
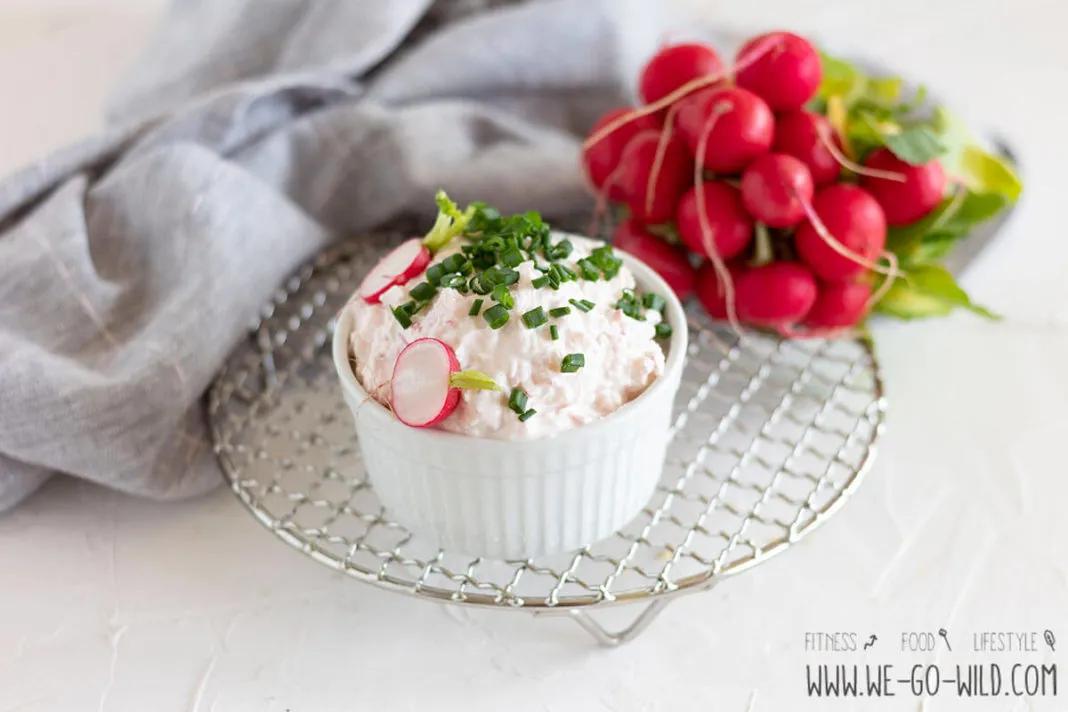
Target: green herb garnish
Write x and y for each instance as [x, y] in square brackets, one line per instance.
[630, 305]
[583, 305]
[449, 223]
[454, 281]
[663, 330]
[517, 400]
[606, 261]
[456, 263]
[539, 282]
[588, 269]
[557, 312]
[512, 257]
[473, 380]
[554, 333]
[423, 291]
[502, 296]
[652, 300]
[496, 316]
[401, 315]
[572, 363]
[534, 318]
[434, 273]
[476, 307]
[527, 415]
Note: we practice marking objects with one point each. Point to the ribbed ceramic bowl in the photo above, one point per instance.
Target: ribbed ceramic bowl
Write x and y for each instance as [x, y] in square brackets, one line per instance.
[517, 499]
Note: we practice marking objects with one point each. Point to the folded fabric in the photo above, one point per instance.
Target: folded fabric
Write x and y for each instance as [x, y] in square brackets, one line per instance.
[250, 135]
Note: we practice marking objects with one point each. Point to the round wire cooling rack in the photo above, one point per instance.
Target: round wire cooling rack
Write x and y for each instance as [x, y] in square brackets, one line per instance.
[769, 439]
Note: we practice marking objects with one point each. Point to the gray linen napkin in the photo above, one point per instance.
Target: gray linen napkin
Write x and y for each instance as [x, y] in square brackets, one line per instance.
[252, 133]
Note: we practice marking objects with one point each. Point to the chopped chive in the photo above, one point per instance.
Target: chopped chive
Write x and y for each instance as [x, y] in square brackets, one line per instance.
[630, 305]
[496, 316]
[434, 273]
[652, 300]
[539, 282]
[453, 280]
[566, 273]
[583, 305]
[476, 307]
[554, 333]
[478, 286]
[423, 291]
[572, 363]
[502, 296]
[534, 318]
[561, 250]
[527, 415]
[517, 400]
[663, 330]
[401, 315]
[454, 263]
[588, 269]
[606, 261]
[413, 307]
[511, 257]
[495, 276]
[558, 312]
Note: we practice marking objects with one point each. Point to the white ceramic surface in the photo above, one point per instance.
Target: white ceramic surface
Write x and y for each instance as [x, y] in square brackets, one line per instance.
[517, 499]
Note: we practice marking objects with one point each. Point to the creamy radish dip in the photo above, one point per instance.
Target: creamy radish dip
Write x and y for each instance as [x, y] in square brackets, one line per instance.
[575, 350]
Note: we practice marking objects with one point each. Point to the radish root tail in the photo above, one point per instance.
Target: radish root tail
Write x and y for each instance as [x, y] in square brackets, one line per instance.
[833, 242]
[708, 241]
[893, 272]
[658, 158]
[843, 160]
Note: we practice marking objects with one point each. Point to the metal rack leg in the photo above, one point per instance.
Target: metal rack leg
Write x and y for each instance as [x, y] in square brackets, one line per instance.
[611, 639]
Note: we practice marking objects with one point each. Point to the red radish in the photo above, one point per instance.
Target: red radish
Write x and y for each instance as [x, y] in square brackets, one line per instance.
[731, 226]
[671, 178]
[422, 393]
[602, 158]
[405, 261]
[655, 107]
[775, 188]
[675, 65]
[855, 221]
[667, 260]
[788, 73]
[712, 296]
[797, 133]
[775, 294]
[838, 305]
[906, 201]
[743, 130]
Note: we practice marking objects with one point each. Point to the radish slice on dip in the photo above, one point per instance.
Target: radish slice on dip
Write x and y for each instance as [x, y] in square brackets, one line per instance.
[422, 392]
[427, 381]
[406, 261]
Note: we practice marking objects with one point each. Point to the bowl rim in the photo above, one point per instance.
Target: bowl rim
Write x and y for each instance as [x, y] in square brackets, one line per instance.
[644, 276]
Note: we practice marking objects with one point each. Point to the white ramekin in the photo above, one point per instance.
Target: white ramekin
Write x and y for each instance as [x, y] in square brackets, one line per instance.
[515, 499]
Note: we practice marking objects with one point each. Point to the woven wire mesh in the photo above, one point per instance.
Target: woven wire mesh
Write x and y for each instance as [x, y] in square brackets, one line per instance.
[770, 436]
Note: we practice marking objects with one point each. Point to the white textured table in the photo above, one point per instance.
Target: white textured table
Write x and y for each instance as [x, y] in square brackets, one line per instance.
[112, 603]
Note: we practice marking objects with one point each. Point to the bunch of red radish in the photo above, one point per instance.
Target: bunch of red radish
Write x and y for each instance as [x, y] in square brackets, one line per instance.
[719, 156]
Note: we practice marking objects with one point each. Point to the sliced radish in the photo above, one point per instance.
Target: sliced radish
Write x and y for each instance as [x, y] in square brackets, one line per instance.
[407, 260]
[423, 394]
